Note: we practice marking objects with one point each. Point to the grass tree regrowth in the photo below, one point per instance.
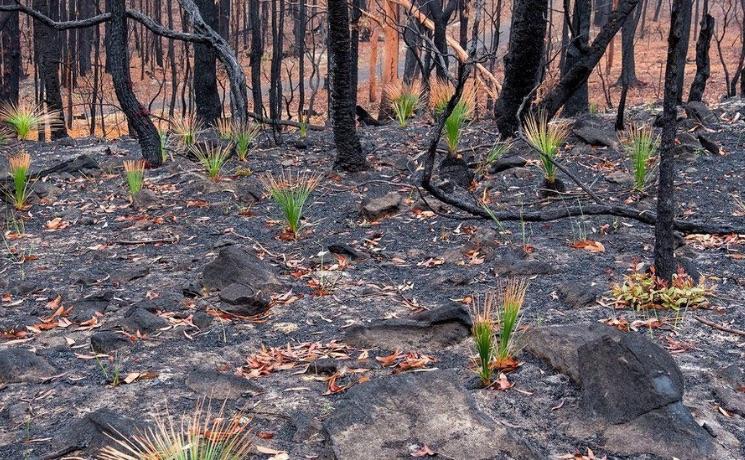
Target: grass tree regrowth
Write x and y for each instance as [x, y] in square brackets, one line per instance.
[404, 99]
[135, 173]
[290, 192]
[243, 137]
[212, 158]
[18, 167]
[483, 320]
[641, 145]
[25, 120]
[546, 137]
[186, 130]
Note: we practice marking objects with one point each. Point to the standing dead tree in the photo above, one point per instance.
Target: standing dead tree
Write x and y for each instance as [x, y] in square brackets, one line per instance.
[703, 65]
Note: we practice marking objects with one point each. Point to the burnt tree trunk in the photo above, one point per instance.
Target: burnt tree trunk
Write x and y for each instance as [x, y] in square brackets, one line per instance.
[628, 54]
[257, 49]
[349, 156]
[703, 66]
[206, 95]
[522, 63]
[46, 41]
[578, 103]
[580, 72]
[137, 115]
[10, 55]
[664, 258]
[275, 79]
[355, 47]
[222, 25]
[685, 12]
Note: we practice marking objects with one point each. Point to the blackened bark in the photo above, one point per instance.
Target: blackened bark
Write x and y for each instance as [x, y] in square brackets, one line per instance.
[664, 259]
[602, 9]
[275, 79]
[137, 116]
[46, 42]
[628, 54]
[257, 49]
[620, 125]
[209, 107]
[703, 66]
[349, 156]
[440, 17]
[85, 37]
[300, 31]
[522, 63]
[581, 71]
[10, 55]
[355, 48]
[685, 12]
[578, 103]
[223, 25]
[413, 39]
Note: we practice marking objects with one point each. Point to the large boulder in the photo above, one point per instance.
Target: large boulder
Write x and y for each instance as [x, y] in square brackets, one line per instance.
[428, 330]
[389, 417]
[237, 265]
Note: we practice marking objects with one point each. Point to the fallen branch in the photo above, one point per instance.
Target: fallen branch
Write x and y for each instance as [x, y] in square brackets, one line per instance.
[720, 327]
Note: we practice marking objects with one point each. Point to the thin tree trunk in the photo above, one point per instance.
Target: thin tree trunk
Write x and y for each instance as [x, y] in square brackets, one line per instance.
[46, 39]
[703, 63]
[257, 49]
[578, 103]
[209, 107]
[10, 59]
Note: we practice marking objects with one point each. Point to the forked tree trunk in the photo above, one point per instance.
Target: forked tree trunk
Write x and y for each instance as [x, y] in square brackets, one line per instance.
[137, 115]
[209, 107]
[349, 156]
[703, 66]
[522, 63]
[578, 102]
[10, 55]
[664, 259]
[628, 53]
[46, 41]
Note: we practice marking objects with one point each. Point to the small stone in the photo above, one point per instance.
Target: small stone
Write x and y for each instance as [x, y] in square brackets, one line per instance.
[237, 265]
[619, 177]
[578, 295]
[347, 251]
[220, 386]
[145, 199]
[202, 319]
[698, 111]
[244, 300]
[108, 341]
[594, 136]
[375, 208]
[138, 319]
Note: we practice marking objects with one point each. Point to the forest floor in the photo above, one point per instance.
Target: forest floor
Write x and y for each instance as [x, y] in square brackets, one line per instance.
[84, 262]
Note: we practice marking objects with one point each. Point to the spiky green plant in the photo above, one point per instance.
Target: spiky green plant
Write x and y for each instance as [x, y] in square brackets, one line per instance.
[547, 138]
[404, 99]
[641, 145]
[224, 129]
[212, 158]
[243, 137]
[18, 167]
[509, 314]
[165, 144]
[498, 150]
[303, 128]
[290, 192]
[187, 130]
[24, 119]
[482, 318]
[200, 435]
[453, 125]
[135, 173]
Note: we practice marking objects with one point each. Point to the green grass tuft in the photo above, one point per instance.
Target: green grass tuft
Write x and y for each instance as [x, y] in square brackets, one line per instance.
[290, 192]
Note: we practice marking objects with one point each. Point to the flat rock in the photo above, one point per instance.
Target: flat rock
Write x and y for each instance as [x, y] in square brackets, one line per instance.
[138, 319]
[521, 267]
[235, 264]
[386, 417]
[559, 345]
[432, 329]
[94, 431]
[626, 376]
[594, 136]
[668, 432]
[220, 386]
[88, 307]
[18, 365]
[698, 111]
[345, 250]
[619, 177]
[243, 300]
[578, 295]
[708, 143]
[108, 341]
[375, 208]
[508, 162]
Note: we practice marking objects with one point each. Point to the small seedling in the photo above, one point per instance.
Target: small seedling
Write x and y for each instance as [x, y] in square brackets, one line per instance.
[644, 291]
[509, 313]
[243, 138]
[461, 112]
[404, 99]
[135, 172]
[186, 130]
[498, 150]
[290, 192]
[18, 167]
[24, 120]
[482, 317]
[303, 127]
[165, 145]
[212, 158]
[224, 129]
[200, 435]
[640, 144]
[546, 138]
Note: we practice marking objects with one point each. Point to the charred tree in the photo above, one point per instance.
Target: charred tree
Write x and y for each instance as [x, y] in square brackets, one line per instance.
[664, 258]
[628, 54]
[578, 103]
[440, 15]
[207, 97]
[703, 65]
[686, 9]
[257, 49]
[275, 79]
[355, 47]
[10, 55]
[522, 63]
[137, 115]
[46, 43]
[349, 155]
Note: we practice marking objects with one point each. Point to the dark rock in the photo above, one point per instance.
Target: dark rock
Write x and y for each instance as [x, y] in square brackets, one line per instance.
[323, 366]
[95, 431]
[594, 136]
[456, 171]
[236, 265]
[70, 166]
[668, 432]
[505, 163]
[559, 345]
[140, 320]
[522, 267]
[108, 341]
[306, 429]
[689, 267]
[578, 295]
[19, 365]
[220, 386]
[145, 199]
[627, 376]
[620, 178]
[244, 300]
[428, 330]
[202, 319]
[90, 306]
[688, 147]
[347, 251]
[129, 274]
[701, 113]
[375, 208]
[730, 400]
[708, 143]
[387, 415]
